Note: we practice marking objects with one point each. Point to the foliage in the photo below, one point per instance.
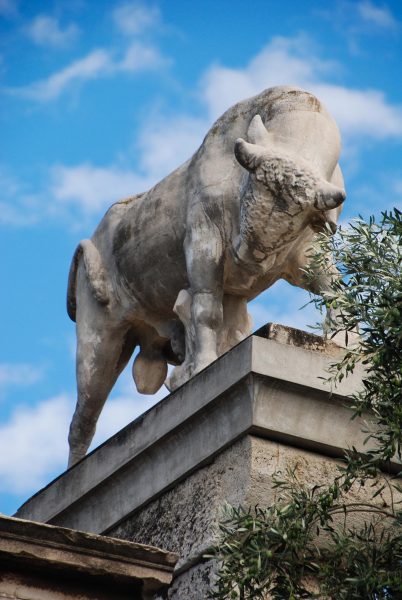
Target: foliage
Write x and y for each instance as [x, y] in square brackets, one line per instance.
[305, 545]
[367, 294]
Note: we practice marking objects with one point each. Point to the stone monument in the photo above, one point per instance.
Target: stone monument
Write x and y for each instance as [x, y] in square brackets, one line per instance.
[163, 480]
[171, 270]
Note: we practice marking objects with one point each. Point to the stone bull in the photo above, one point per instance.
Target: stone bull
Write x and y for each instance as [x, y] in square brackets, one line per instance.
[171, 270]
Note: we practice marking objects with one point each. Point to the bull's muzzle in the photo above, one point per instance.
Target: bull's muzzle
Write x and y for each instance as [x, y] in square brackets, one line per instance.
[329, 196]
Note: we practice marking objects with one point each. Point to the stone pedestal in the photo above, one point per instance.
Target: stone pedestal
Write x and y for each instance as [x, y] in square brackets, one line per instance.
[43, 562]
[163, 479]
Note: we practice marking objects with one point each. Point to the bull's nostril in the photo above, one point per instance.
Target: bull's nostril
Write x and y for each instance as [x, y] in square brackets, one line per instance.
[341, 197]
[338, 198]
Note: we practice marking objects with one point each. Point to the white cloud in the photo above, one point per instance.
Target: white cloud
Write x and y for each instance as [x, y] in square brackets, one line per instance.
[98, 63]
[19, 374]
[139, 57]
[33, 444]
[124, 405]
[162, 146]
[132, 18]
[45, 30]
[166, 143]
[292, 62]
[379, 16]
[93, 188]
[284, 61]
[361, 112]
[89, 67]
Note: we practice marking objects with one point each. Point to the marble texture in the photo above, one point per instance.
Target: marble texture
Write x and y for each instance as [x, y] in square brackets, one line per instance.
[171, 270]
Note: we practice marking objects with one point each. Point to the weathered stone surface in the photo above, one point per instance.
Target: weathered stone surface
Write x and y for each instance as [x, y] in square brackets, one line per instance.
[193, 584]
[171, 270]
[185, 519]
[250, 389]
[41, 561]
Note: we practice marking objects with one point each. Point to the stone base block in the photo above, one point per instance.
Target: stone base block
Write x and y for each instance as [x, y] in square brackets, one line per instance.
[164, 479]
[185, 518]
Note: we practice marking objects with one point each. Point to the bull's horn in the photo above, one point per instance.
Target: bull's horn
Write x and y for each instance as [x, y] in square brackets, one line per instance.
[257, 132]
[248, 155]
[329, 196]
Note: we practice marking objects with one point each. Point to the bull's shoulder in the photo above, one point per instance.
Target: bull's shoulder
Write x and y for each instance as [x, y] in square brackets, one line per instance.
[121, 206]
[125, 202]
[115, 214]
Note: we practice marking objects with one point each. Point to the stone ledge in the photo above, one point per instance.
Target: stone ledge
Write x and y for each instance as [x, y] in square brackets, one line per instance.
[269, 386]
[26, 546]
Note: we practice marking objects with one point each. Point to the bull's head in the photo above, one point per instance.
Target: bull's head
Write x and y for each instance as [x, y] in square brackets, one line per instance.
[294, 186]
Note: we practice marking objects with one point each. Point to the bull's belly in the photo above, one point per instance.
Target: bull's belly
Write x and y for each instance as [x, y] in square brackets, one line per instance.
[250, 287]
[249, 281]
[148, 253]
[154, 279]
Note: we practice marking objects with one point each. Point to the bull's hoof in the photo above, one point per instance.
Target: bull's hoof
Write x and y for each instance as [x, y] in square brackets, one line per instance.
[179, 376]
[74, 458]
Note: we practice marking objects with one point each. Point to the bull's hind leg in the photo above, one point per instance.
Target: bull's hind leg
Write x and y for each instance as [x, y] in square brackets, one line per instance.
[185, 351]
[103, 349]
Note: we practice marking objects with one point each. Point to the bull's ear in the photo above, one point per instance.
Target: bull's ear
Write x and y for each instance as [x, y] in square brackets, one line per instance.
[248, 155]
[329, 196]
[258, 134]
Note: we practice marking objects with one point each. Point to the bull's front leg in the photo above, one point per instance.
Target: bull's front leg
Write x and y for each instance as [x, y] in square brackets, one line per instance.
[204, 251]
[200, 307]
[206, 315]
[237, 323]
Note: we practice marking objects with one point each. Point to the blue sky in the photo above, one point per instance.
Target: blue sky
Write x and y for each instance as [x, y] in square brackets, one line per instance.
[100, 100]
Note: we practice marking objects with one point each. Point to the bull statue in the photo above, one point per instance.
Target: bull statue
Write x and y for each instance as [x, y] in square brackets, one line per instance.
[171, 270]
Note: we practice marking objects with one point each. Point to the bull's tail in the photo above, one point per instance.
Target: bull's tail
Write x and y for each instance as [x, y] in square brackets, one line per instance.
[95, 272]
